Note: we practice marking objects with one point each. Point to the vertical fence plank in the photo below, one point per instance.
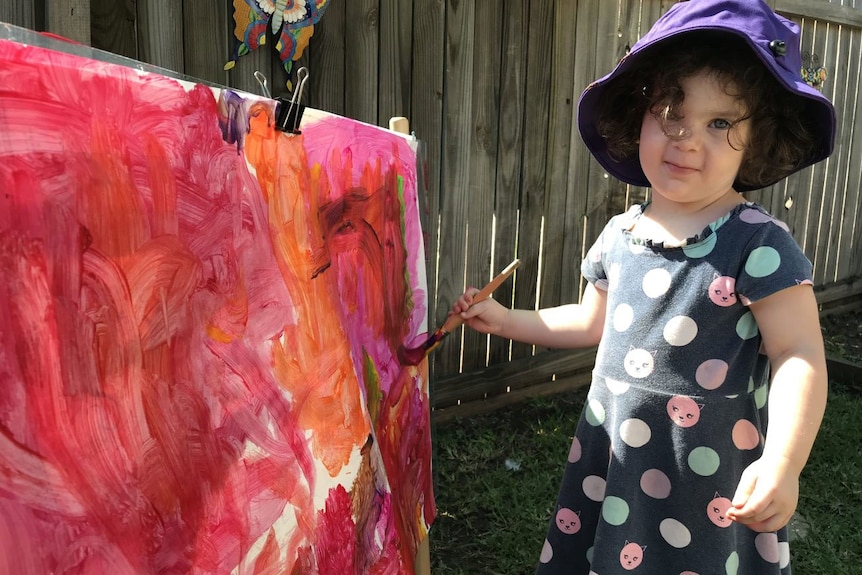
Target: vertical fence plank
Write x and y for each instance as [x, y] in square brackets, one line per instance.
[426, 118]
[534, 177]
[849, 263]
[824, 189]
[112, 25]
[454, 201]
[69, 19]
[569, 16]
[208, 27]
[160, 33]
[19, 13]
[361, 76]
[241, 76]
[807, 189]
[326, 62]
[515, 96]
[842, 63]
[484, 121]
[396, 19]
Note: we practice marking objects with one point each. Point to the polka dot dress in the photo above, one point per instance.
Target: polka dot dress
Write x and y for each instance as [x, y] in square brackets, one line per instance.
[677, 406]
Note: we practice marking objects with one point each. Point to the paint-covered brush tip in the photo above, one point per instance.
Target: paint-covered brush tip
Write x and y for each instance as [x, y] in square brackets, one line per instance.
[415, 355]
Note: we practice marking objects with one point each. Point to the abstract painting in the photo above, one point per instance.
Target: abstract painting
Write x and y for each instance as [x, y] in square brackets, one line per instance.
[199, 324]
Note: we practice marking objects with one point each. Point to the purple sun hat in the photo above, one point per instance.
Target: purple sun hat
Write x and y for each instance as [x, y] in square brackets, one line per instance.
[773, 38]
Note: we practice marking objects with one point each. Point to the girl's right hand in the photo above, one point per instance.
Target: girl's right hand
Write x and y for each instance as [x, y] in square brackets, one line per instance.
[487, 316]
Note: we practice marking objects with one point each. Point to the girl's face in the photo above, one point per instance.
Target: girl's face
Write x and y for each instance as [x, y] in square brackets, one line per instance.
[691, 161]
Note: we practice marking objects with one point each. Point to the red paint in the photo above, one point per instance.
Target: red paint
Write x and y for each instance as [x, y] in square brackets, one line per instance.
[191, 351]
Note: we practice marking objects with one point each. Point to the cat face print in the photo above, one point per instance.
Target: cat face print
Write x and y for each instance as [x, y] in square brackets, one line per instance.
[683, 411]
[632, 556]
[716, 510]
[722, 291]
[639, 363]
[568, 521]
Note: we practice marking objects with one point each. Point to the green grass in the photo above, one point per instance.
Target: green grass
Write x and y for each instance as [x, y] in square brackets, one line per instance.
[492, 519]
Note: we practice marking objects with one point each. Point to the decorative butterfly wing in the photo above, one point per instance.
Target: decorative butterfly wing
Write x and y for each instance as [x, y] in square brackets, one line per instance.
[299, 18]
[250, 17]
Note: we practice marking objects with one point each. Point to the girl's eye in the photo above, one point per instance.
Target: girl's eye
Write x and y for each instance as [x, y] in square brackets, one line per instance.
[721, 124]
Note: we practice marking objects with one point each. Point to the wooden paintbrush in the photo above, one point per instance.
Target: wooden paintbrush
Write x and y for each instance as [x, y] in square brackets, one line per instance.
[415, 355]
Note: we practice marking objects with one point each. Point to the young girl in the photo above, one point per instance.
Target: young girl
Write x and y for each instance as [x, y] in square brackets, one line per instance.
[694, 299]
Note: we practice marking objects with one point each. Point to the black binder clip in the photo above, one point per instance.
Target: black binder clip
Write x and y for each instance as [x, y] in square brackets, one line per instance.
[288, 113]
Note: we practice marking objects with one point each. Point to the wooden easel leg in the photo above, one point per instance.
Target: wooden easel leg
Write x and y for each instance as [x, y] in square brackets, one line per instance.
[423, 557]
[423, 552]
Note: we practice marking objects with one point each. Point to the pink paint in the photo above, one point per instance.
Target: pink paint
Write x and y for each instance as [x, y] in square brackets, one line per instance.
[195, 354]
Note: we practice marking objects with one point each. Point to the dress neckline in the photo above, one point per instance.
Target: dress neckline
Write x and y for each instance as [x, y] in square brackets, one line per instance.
[636, 212]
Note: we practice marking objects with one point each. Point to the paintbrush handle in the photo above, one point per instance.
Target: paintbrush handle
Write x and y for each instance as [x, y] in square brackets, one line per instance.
[455, 319]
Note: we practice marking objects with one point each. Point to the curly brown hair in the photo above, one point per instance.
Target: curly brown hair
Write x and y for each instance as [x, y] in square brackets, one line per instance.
[783, 137]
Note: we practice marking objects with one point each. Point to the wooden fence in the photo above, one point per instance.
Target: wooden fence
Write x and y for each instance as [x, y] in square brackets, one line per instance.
[491, 87]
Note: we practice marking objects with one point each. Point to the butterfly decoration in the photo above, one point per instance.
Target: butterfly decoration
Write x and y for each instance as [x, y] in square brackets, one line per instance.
[812, 72]
[291, 23]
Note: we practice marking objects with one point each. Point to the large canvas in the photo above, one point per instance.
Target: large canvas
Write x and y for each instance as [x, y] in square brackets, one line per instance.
[199, 324]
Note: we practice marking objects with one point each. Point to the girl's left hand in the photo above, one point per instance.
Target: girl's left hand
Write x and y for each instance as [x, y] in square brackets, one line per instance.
[767, 495]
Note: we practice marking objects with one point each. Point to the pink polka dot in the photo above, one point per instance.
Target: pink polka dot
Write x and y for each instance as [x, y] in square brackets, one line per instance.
[711, 373]
[655, 484]
[745, 435]
[575, 451]
[767, 545]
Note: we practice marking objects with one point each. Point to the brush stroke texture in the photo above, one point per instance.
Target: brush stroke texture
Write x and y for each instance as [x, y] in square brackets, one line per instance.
[199, 317]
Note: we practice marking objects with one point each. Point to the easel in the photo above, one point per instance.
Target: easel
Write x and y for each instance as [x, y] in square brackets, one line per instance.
[401, 125]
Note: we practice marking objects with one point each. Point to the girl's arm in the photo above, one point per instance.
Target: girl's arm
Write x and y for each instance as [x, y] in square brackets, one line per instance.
[769, 489]
[566, 326]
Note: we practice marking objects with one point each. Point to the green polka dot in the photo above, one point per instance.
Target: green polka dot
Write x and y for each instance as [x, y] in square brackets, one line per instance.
[701, 249]
[615, 511]
[590, 555]
[750, 384]
[746, 327]
[760, 396]
[731, 566]
[595, 413]
[762, 262]
[703, 461]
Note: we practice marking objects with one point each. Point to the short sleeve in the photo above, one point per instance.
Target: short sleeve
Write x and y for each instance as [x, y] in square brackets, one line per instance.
[772, 261]
[594, 266]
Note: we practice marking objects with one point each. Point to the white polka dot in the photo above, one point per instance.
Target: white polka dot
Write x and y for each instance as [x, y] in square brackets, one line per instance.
[675, 533]
[613, 277]
[783, 554]
[617, 387]
[680, 330]
[623, 317]
[635, 432]
[637, 249]
[656, 282]
[547, 552]
[594, 487]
